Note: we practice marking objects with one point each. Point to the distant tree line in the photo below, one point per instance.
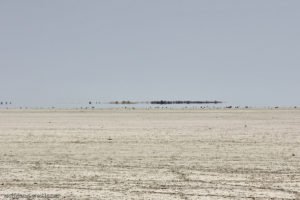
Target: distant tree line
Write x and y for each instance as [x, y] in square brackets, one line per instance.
[185, 102]
[5, 103]
[162, 102]
[123, 102]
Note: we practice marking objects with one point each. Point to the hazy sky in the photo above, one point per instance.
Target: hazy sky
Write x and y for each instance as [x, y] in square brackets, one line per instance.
[69, 51]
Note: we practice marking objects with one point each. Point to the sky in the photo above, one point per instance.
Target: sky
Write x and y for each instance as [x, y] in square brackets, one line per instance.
[72, 51]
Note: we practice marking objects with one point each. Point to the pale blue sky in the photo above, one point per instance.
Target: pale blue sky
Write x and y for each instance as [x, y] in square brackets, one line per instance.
[69, 51]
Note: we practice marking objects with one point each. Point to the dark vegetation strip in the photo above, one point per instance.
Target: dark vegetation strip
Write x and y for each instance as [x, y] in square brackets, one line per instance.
[163, 102]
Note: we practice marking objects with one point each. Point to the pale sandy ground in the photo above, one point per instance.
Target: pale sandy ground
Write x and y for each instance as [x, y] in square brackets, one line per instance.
[150, 154]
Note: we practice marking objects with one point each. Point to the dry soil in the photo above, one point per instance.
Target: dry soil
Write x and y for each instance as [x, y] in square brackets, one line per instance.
[150, 154]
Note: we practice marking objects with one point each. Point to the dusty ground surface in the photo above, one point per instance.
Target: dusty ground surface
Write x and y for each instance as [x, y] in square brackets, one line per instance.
[150, 154]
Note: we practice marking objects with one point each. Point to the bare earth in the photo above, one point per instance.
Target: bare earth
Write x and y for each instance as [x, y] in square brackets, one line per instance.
[150, 154]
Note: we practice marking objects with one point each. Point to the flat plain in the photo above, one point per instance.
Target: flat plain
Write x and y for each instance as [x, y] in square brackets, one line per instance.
[150, 154]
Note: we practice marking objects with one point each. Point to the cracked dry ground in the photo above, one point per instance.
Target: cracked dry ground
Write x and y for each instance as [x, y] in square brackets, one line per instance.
[150, 154]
